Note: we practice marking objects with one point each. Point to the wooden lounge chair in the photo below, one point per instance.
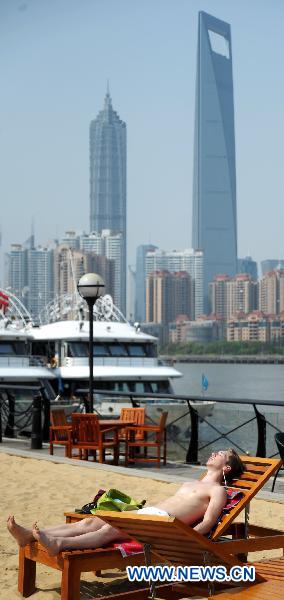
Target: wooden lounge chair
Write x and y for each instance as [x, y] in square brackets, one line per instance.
[169, 540]
[73, 563]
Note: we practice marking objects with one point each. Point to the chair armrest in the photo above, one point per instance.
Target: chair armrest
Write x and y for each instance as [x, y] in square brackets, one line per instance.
[270, 542]
[143, 428]
[60, 427]
[109, 430]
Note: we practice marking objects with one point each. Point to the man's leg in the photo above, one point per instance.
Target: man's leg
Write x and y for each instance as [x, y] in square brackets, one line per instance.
[25, 536]
[93, 539]
[74, 529]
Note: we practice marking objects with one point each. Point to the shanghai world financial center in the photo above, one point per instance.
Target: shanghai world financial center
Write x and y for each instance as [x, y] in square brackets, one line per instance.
[214, 222]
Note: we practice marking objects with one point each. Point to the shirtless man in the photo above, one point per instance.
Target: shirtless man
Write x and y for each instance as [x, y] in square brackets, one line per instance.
[200, 501]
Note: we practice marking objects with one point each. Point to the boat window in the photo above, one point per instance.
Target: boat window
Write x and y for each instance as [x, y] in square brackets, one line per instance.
[151, 350]
[79, 349]
[117, 350]
[164, 387]
[41, 348]
[121, 386]
[136, 350]
[139, 387]
[100, 350]
[7, 348]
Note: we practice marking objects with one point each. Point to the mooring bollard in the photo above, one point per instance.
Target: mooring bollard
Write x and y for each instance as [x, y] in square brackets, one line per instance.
[192, 452]
[36, 437]
[1, 400]
[9, 430]
[46, 415]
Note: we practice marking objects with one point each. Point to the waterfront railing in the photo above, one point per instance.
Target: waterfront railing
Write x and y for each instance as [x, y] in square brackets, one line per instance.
[13, 421]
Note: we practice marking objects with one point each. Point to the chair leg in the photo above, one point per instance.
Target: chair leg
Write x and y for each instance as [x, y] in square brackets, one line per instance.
[116, 454]
[70, 581]
[27, 575]
[165, 447]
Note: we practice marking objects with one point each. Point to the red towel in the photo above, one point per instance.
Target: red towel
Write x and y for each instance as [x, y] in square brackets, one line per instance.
[129, 548]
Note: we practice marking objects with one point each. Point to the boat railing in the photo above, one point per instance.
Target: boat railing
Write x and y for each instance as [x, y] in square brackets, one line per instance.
[18, 361]
[110, 361]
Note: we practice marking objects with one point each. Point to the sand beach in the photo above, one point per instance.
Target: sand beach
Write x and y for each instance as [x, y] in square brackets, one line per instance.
[41, 490]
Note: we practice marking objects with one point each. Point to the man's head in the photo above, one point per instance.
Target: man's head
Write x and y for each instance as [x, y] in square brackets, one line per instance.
[227, 462]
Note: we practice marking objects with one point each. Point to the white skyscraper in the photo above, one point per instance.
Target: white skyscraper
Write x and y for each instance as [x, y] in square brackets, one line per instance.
[111, 246]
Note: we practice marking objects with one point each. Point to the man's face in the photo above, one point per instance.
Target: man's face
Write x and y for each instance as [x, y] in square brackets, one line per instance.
[218, 459]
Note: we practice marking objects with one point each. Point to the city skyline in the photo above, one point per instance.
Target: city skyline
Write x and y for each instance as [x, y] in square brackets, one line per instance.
[53, 86]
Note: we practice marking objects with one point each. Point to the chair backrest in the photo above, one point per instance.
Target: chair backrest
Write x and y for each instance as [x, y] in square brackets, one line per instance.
[279, 439]
[257, 472]
[58, 417]
[85, 428]
[137, 416]
[163, 420]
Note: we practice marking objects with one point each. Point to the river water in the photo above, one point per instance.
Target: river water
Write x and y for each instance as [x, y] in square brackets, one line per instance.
[261, 382]
[255, 382]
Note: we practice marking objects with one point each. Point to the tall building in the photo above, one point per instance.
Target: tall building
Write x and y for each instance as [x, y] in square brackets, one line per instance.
[69, 265]
[16, 270]
[30, 276]
[271, 292]
[108, 180]
[270, 264]
[248, 265]
[232, 295]
[167, 296]
[214, 222]
[79, 254]
[140, 281]
[185, 260]
[40, 282]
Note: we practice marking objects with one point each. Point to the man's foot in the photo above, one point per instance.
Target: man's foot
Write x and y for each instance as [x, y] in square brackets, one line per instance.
[22, 535]
[51, 544]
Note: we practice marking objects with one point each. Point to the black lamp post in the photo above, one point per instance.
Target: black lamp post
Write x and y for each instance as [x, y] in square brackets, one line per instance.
[91, 287]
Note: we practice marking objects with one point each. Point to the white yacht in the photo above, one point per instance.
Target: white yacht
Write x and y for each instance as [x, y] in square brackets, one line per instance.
[21, 375]
[56, 352]
[125, 358]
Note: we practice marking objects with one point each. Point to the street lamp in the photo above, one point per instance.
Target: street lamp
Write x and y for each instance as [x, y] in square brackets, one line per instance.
[90, 286]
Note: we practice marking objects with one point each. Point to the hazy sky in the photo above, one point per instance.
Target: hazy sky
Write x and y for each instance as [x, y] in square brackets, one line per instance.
[55, 59]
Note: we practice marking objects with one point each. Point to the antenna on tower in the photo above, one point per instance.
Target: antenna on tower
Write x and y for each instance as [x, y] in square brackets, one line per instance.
[32, 233]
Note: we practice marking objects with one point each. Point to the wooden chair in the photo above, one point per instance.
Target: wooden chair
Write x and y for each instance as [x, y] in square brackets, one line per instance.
[73, 563]
[137, 416]
[59, 431]
[170, 540]
[158, 442]
[86, 435]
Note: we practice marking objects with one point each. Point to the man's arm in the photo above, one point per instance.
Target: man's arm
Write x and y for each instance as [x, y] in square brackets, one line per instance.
[217, 502]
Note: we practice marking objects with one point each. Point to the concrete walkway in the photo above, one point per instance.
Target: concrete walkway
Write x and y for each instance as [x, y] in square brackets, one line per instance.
[175, 472]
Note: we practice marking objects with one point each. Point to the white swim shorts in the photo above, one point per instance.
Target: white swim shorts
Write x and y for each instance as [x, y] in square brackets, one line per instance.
[153, 510]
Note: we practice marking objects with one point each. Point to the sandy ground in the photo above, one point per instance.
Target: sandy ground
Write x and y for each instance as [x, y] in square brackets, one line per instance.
[36, 489]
